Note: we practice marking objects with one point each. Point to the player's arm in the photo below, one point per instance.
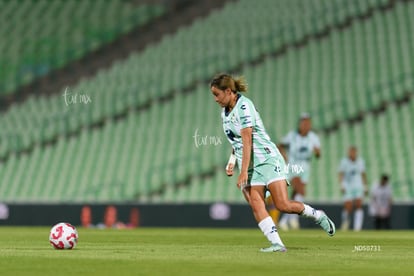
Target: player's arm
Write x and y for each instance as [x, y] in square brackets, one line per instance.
[247, 140]
[317, 147]
[390, 203]
[284, 145]
[317, 152]
[282, 149]
[341, 175]
[364, 180]
[341, 179]
[231, 164]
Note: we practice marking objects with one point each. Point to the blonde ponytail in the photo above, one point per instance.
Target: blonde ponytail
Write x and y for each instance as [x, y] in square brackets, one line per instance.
[224, 81]
[240, 84]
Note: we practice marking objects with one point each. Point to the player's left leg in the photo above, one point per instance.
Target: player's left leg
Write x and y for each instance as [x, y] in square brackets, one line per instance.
[358, 215]
[386, 222]
[280, 197]
[348, 198]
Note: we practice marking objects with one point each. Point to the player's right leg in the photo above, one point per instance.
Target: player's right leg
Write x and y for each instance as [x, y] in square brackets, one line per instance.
[346, 213]
[298, 195]
[377, 221]
[285, 221]
[265, 222]
[347, 209]
[358, 215]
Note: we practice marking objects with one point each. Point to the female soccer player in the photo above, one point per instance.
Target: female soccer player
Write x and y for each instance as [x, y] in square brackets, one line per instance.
[353, 183]
[261, 164]
[301, 145]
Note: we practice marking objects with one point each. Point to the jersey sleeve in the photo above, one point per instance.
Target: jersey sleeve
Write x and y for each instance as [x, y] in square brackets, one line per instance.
[372, 189]
[316, 142]
[362, 166]
[342, 166]
[247, 115]
[287, 139]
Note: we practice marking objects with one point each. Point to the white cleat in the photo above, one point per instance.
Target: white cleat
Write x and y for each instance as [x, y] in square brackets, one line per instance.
[274, 248]
[326, 224]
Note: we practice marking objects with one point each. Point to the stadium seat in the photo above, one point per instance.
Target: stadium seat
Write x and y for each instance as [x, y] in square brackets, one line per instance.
[52, 34]
[150, 154]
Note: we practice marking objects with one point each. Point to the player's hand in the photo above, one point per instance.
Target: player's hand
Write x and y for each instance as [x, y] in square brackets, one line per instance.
[229, 169]
[343, 191]
[242, 180]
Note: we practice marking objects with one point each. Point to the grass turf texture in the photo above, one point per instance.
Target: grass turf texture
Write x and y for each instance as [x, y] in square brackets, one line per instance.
[165, 251]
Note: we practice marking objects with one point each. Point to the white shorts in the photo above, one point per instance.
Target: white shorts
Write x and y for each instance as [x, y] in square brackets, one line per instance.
[267, 172]
[301, 170]
[353, 192]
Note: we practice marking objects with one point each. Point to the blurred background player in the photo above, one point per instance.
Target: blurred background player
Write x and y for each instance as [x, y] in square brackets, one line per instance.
[86, 216]
[133, 218]
[381, 203]
[298, 147]
[260, 162]
[111, 219]
[352, 179]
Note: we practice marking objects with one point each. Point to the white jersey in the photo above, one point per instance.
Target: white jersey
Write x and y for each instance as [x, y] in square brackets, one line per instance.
[381, 197]
[352, 171]
[301, 147]
[244, 115]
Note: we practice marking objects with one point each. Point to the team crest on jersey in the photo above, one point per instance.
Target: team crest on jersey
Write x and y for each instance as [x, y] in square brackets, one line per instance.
[233, 119]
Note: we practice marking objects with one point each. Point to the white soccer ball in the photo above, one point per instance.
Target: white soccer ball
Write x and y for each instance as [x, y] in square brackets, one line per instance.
[63, 236]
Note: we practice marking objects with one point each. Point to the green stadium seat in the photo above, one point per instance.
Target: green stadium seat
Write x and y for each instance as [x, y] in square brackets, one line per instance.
[130, 159]
[51, 35]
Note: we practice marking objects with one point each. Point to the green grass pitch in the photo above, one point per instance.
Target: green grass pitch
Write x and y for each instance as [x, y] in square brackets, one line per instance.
[188, 251]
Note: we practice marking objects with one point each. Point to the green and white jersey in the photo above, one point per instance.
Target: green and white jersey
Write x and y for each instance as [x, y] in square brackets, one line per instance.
[244, 115]
[352, 171]
[300, 152]
[301, 147]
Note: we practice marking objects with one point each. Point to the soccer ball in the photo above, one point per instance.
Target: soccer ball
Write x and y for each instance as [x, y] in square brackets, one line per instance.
[63, 236]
